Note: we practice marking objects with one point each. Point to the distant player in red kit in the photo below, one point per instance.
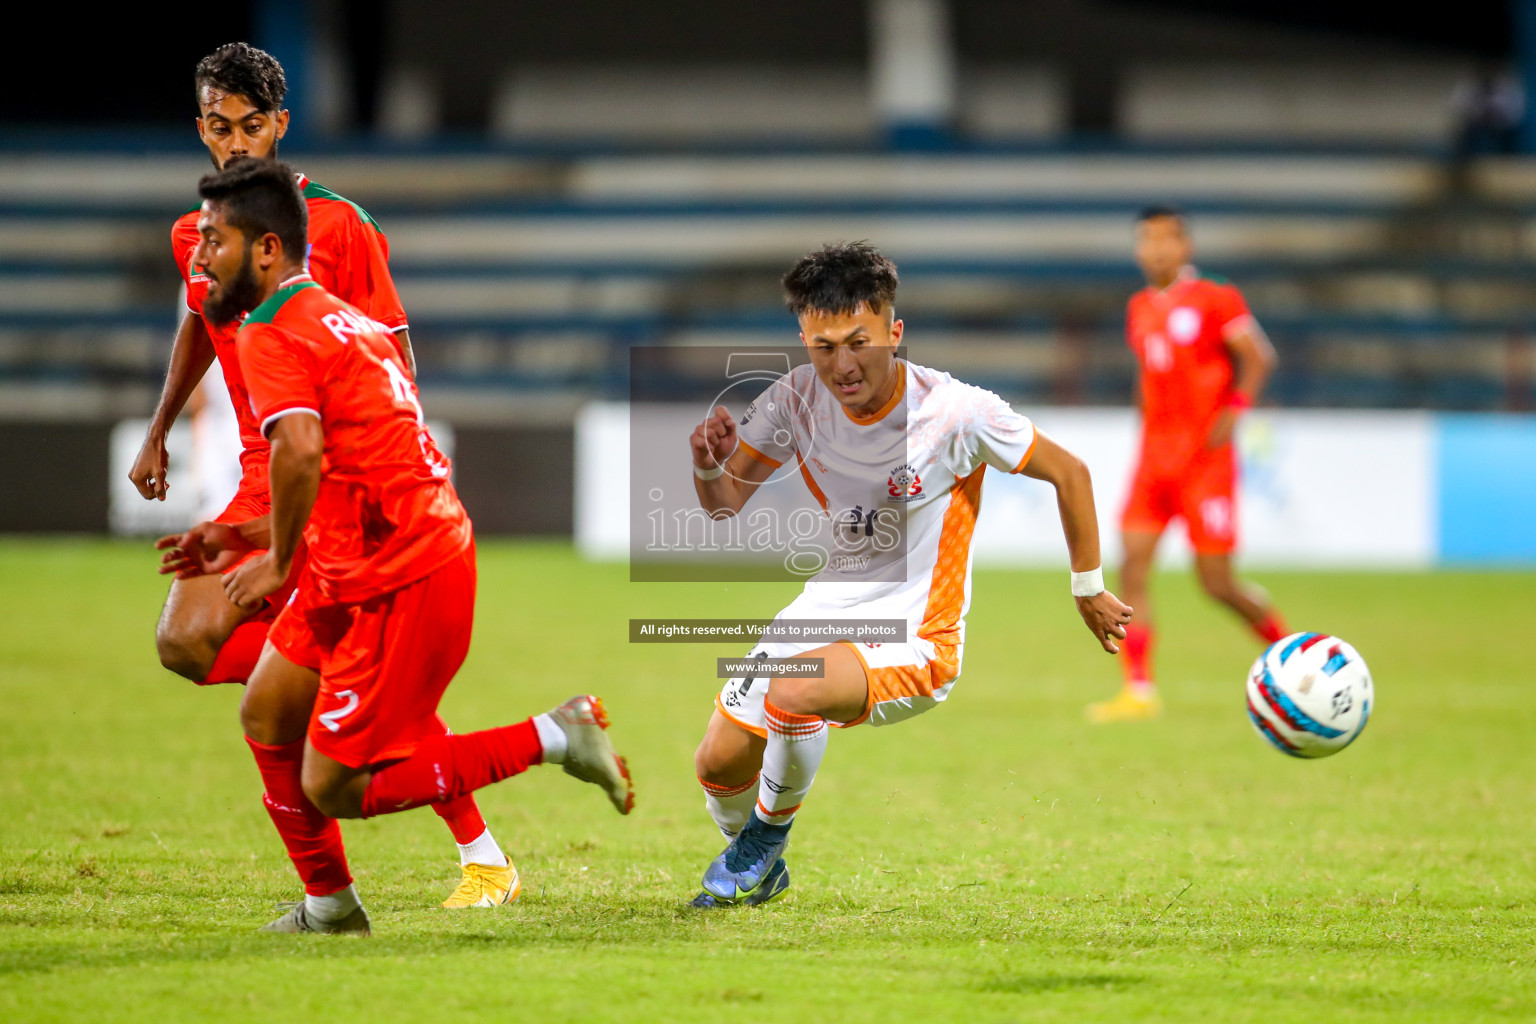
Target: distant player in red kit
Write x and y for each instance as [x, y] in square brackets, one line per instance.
[1202, 360]
[384, 608]
[201, 634]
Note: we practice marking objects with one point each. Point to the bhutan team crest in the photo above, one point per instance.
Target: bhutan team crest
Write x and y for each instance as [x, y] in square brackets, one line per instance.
[904, 485]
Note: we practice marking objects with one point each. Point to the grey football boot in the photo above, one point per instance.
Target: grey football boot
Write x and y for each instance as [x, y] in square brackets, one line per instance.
[589, 755]
[298, 919]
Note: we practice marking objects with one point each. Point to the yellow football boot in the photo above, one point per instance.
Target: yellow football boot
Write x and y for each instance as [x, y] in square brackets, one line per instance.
[485, 886]
[1131, 704]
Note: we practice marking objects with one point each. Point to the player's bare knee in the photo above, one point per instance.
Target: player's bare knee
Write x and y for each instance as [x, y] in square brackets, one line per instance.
[183, 653]
[328, 794]
[724, 759]
[797, 696]
[711, 764]
[260, 724]
[325, 799]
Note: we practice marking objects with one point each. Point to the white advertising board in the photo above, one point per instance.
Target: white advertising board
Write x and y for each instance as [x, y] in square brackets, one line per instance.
[1320, 489]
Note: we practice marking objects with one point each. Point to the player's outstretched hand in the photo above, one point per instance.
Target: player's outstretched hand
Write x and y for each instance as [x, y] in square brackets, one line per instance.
[250, 584]
[148, 471]
[1106, 616]
[714, 440]
[205, 550]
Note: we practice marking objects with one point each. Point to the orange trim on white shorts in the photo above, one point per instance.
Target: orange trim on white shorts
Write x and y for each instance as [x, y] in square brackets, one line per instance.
[869, 697]
[753, 729]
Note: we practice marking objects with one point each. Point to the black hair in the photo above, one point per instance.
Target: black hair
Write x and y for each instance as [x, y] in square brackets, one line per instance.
[840, 278]
[243, 70]
[1157, 210]
[260, 196]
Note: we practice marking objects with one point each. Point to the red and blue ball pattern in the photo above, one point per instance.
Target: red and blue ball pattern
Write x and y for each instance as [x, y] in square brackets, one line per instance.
[1310, 694]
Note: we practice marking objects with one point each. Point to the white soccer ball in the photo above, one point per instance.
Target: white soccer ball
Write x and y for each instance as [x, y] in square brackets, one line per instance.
[1310, 694]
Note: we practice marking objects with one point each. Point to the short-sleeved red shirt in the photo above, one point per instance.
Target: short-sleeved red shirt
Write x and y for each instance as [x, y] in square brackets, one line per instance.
[348, 256]
[1179, 335]
[386, 514]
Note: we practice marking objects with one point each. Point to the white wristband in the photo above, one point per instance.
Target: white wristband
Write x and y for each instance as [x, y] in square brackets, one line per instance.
[1088, 584]
[709, 474]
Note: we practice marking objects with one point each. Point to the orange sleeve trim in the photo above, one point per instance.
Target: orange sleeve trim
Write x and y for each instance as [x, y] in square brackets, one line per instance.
[759, 456]
[1025, 460]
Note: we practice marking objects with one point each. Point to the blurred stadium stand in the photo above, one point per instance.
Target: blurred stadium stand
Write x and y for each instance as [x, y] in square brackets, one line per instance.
[1382, 282]
[562, 182]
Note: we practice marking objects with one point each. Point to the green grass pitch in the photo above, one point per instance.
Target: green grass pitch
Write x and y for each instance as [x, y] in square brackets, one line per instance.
[995, 860]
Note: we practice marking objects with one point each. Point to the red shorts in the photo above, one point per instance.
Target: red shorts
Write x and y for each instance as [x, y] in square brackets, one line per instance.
[252, 501]
[1203, 493]
[383, 663]
[254, 498]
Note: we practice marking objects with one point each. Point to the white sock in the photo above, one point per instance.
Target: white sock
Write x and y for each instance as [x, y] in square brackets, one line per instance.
[796, 744]
[551, 738]
[730, 805]
[483, 849]
[333, 907]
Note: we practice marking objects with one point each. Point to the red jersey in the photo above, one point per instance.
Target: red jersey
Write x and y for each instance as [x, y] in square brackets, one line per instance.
[386, 514]
[348, 256]
[1179, 335]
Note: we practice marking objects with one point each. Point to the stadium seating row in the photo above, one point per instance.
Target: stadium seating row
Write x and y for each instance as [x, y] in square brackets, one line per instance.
[1383, 280]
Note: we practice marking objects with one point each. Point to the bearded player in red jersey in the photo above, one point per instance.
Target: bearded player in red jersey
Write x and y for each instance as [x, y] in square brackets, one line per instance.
[1202, 360]
[201, 634]
[382, 614]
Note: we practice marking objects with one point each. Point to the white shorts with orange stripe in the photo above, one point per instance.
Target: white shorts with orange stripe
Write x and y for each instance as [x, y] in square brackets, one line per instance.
[904, 681]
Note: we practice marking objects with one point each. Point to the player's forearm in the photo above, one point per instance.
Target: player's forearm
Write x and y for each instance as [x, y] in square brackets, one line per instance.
[1255, 359]
[256, 532]
[1252, 376]
[295, 481]
[1079, 518]
[720, 497]
[191, 355]
[1069, 474]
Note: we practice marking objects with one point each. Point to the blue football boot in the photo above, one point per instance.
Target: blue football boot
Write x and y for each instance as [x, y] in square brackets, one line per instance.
[745, 865]
[774, 885]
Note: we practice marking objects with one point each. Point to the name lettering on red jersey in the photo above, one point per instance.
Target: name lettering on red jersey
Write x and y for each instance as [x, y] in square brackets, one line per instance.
[346, 325]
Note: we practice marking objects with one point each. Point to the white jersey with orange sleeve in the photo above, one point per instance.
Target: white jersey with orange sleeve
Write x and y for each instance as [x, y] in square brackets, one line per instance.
[902, 488]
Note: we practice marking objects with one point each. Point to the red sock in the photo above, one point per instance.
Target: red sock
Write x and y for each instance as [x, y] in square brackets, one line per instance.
[1136, 653]
[1271, 629]
[462, 816]
[313, 840]
[237, 658]
[445, 768]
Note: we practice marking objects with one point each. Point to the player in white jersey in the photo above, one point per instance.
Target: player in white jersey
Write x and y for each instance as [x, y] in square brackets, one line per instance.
[895, 454]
